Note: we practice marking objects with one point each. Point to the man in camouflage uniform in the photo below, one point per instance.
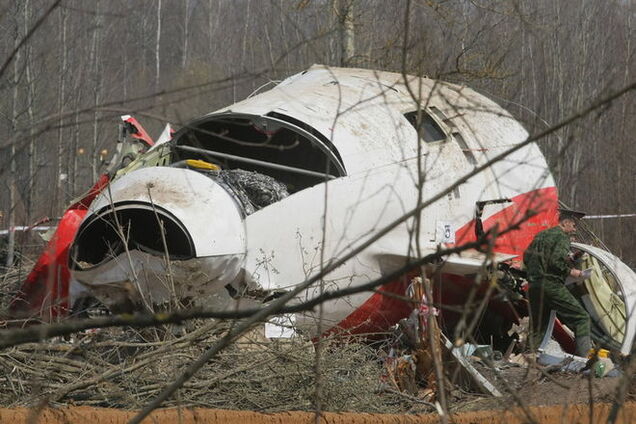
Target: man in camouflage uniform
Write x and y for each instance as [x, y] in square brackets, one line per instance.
[547, 265]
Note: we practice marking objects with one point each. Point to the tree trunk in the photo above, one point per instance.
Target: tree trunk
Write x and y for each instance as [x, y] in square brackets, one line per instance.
[95, 158]
[32, 167]
[345, 11]
[59, 196]
[184, 56]
[75, 146]
[212, 28]
[13, 168]
[158, 45]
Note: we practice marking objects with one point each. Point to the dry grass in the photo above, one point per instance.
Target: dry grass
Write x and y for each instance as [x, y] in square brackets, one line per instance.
[126, 368]
[11, 280]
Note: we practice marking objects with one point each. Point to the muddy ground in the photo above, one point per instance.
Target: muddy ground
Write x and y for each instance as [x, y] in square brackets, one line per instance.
[579, 414]
[533, 386]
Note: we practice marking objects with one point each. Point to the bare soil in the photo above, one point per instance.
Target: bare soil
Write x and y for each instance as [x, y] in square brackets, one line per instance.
[534, 386]
[543, 415]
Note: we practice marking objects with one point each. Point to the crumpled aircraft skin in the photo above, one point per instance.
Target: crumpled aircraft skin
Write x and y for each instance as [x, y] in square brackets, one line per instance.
[328, 158]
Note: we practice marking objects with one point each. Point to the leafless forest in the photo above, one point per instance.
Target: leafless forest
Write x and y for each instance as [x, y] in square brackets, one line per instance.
[69, 68]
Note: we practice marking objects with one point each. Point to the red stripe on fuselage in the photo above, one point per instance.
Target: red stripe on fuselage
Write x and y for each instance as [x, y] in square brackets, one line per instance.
[379, 312]
[541, 205]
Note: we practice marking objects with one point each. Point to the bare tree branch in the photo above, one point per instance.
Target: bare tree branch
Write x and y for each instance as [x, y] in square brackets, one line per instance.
[27, 36]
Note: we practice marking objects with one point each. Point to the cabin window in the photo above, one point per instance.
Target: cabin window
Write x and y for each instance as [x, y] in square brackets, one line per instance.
[440, 115]
[468, 153]
[428, 129]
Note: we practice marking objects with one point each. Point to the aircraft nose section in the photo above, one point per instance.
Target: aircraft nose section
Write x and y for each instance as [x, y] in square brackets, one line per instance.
[156, 229]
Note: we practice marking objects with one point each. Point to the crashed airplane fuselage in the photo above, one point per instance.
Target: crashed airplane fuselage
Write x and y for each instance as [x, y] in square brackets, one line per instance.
[258, 196]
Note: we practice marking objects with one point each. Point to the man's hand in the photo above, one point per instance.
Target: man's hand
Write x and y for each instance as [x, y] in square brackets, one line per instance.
[581, 275]
[575, 273]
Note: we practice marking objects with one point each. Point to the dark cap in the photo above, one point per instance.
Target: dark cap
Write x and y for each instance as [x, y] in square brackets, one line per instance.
[570, 214]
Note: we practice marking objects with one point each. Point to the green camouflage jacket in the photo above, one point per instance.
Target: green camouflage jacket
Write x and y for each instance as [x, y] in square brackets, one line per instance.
[546, 257]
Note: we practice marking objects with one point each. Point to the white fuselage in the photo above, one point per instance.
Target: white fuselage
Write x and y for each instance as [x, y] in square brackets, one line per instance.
[385, 171]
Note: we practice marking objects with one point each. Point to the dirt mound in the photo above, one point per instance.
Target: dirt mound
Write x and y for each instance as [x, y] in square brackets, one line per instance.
[543, 415]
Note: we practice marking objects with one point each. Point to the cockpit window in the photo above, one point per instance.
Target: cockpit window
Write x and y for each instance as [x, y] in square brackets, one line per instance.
[273, 145]
[428, 129]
